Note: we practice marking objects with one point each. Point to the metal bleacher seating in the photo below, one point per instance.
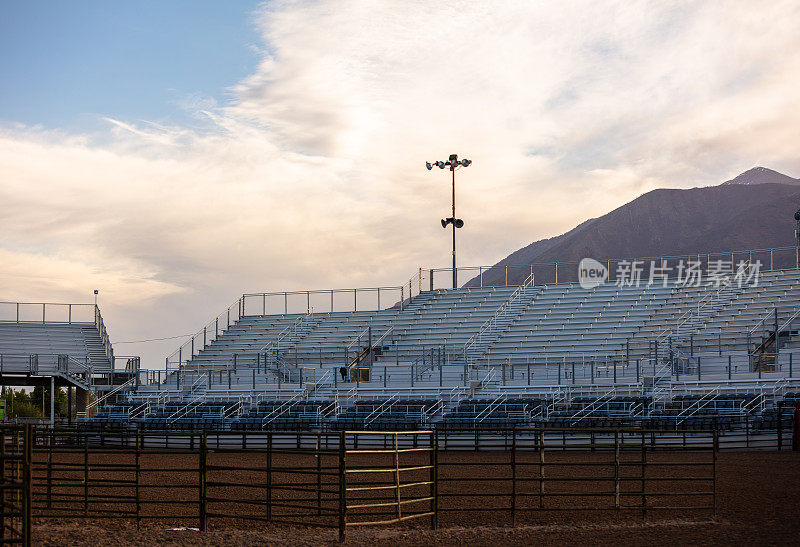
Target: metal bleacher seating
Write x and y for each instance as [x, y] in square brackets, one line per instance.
[557, 354]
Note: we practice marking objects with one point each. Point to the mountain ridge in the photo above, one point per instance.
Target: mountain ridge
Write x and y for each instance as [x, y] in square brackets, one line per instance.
[740, 214]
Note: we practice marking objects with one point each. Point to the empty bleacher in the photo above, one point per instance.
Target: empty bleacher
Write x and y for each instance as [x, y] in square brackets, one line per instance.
[555, 355]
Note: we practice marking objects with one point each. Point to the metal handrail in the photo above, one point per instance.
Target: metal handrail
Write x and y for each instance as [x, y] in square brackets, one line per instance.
[498, 313]
[591, 407]
[711, 297]
[490, 408]
[699, 403]
[108, 394]
[283, 407]
[184, 410]
[380, 409]
[285, 332]
[763, 321]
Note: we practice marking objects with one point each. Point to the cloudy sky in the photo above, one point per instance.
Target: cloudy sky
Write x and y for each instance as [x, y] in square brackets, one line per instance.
[176, 154]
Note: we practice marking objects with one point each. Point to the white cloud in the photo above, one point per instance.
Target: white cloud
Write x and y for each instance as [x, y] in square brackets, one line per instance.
[313, 175]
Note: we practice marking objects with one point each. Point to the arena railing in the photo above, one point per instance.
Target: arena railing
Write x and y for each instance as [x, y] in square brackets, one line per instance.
[344, 479]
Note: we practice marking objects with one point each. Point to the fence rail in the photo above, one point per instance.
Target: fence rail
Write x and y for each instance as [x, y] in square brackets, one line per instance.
[355, 478]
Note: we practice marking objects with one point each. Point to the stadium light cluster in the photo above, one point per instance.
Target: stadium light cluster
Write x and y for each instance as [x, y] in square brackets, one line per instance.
[452, 163]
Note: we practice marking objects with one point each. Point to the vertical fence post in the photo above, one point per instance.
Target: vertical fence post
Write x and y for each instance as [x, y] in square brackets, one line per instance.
[50, 469]
[714, 470]
[342, 487]
[541, 468]
[398, 503]
[2, 481]
[86, 475]
[27, 479]
[202, 481]
[319, 477]
[434, 479]
[514, 477]
[616, 469]
[138, 479]
[644, 468]
[269, 475]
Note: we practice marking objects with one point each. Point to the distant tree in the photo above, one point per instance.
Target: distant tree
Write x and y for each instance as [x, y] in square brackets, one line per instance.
[41, 400]
[22, 406]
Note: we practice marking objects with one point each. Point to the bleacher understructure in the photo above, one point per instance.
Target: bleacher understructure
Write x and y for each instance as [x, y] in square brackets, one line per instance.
[558, 354]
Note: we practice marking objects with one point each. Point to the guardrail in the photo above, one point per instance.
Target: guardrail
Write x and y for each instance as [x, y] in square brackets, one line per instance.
[47, 312]
[346, 479]
[323, 301]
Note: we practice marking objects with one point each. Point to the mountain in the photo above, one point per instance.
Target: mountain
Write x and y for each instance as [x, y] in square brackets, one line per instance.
[762, 175]
[740, 214]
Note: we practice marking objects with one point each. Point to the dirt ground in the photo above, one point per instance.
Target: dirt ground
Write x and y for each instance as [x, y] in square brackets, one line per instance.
[758, 502]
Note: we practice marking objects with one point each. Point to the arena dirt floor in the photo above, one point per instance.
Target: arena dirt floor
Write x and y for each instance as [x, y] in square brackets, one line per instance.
[758, 502]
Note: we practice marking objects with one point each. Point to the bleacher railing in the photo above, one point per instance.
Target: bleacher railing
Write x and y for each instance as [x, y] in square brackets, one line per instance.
[566, 271]
[80, 372]
[202, 338]
[323, 301]
[47, 312]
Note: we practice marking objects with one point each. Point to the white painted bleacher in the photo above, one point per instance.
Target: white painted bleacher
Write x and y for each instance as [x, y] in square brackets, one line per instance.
[80, 341]
[599, 332]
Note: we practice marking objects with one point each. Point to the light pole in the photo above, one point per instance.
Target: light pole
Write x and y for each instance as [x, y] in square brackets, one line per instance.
[797, 239]
[453, 163]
